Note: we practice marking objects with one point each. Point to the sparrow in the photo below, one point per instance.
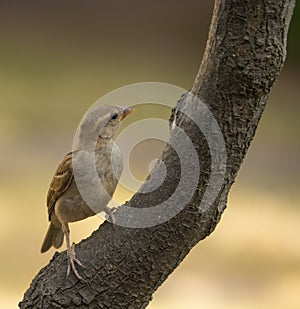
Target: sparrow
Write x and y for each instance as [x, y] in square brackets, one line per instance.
[73, 195]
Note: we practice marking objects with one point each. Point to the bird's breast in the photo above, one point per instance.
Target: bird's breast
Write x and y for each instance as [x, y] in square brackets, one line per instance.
[109, 166]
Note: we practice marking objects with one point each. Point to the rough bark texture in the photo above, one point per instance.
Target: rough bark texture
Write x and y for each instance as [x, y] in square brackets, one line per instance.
[245, 52]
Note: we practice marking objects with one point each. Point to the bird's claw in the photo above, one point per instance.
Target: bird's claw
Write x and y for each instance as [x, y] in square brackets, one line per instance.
[110, 215]
[71, 259]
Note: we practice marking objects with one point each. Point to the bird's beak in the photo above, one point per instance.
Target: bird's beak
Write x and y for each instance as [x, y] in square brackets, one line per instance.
[126, 111]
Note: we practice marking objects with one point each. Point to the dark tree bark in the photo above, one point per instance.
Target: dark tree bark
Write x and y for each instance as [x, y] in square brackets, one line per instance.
[245, 52]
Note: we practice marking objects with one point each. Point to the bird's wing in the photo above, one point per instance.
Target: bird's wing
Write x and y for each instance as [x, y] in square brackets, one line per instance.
[60, 182]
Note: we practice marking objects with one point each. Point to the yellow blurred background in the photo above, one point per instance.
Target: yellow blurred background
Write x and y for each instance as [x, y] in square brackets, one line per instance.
[56, 59]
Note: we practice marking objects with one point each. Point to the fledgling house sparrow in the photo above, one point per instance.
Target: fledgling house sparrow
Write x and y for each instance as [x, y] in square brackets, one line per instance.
[64, 200]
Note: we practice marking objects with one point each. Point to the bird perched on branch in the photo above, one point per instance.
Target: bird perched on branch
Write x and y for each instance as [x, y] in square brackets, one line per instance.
[86, 178]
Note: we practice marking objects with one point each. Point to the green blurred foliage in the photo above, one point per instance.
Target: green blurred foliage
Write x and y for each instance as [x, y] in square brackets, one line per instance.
[294, 37]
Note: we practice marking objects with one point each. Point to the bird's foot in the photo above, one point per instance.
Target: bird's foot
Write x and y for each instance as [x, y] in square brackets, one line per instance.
[110, 214]
[71, 263]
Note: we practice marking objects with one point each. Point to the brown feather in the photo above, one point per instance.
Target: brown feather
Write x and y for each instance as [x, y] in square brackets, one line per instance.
[60, 182]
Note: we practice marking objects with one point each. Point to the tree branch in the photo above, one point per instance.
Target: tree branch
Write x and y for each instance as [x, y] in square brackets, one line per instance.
[245, 52]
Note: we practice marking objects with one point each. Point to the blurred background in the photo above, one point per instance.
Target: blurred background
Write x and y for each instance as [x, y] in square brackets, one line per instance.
[57, 58]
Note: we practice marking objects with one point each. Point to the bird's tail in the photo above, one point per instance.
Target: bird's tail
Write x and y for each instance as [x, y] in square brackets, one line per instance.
[54, 237]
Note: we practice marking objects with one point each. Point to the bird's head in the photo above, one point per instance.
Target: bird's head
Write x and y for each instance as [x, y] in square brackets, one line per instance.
[109, 123]
[102, 122]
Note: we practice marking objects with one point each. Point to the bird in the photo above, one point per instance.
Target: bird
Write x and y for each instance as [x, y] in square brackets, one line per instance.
[66, 201]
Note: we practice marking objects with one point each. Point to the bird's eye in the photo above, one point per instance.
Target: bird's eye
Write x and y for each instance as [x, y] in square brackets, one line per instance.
[114, 116]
